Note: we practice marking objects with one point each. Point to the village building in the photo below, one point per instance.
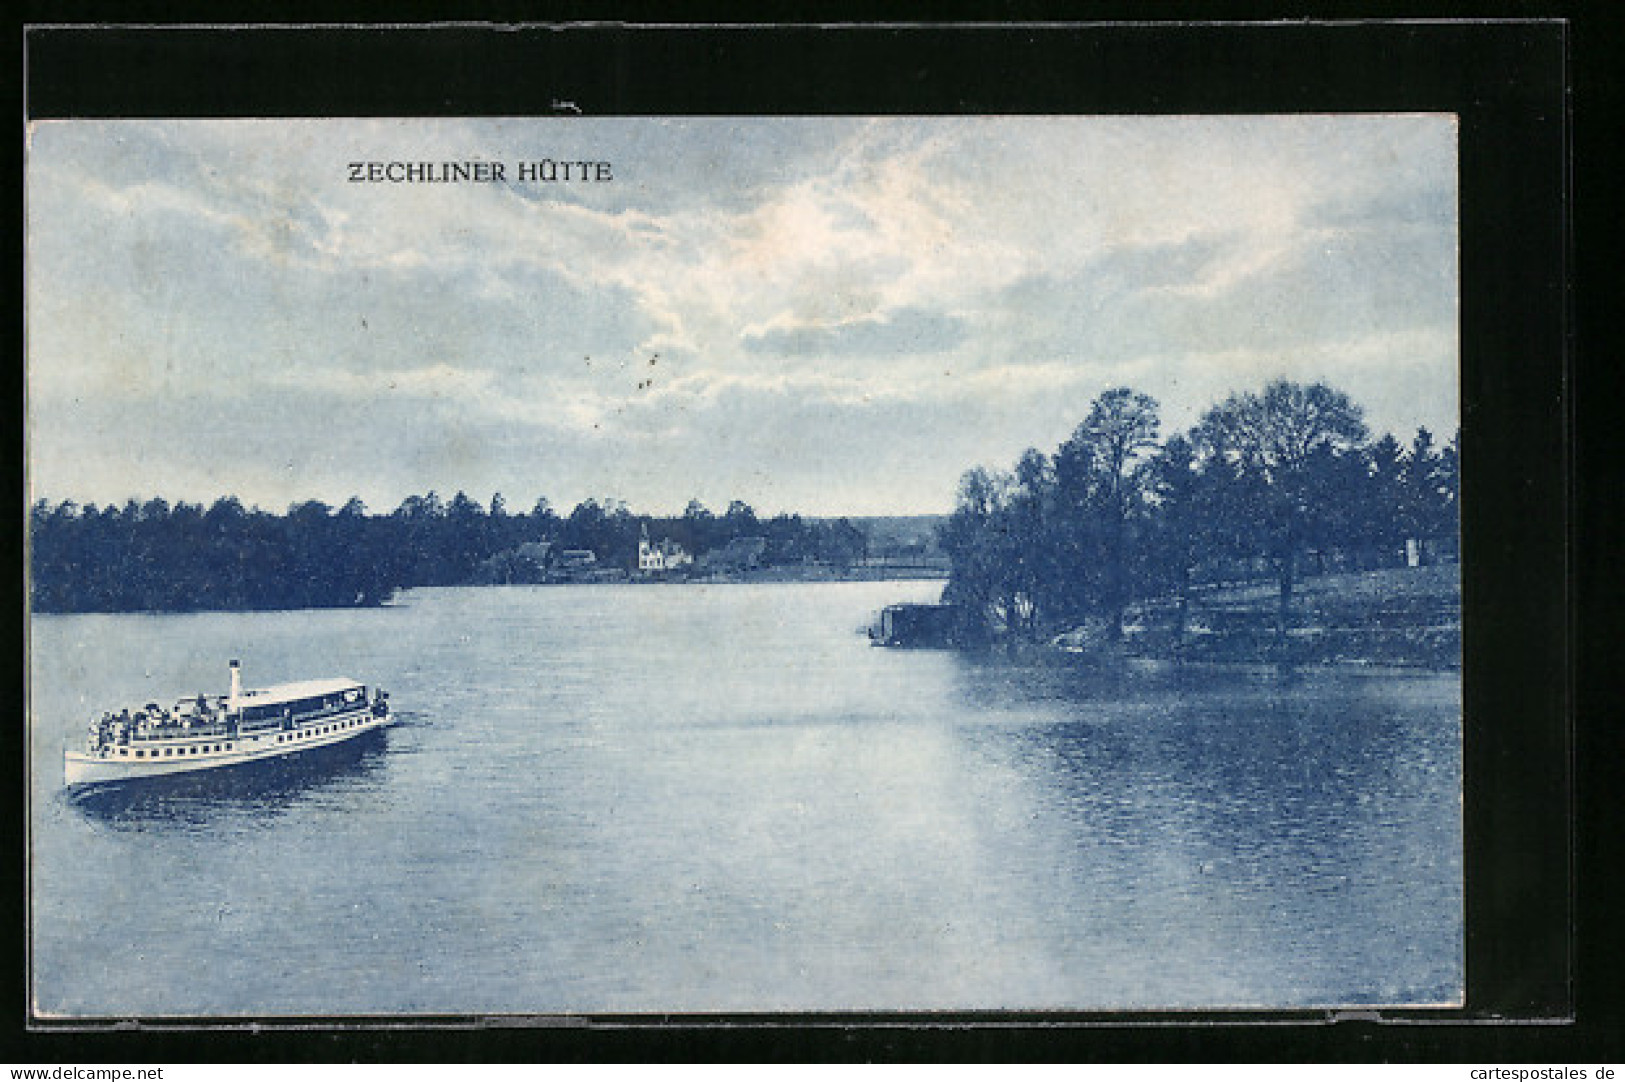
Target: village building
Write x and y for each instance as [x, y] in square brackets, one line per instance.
[534, 556]
[658, 557]
[576, 559]
[740, 554]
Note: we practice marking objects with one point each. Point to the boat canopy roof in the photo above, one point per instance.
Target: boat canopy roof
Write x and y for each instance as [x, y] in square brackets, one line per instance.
[303, 689]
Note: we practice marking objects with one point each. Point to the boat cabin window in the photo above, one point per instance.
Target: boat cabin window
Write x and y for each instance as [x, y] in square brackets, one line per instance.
[314, 706]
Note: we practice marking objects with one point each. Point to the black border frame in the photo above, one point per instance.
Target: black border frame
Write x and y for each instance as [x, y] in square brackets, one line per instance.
[1511, 83]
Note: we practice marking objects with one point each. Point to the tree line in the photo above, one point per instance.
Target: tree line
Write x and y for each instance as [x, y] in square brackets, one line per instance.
[157, 556]
[1277, 482]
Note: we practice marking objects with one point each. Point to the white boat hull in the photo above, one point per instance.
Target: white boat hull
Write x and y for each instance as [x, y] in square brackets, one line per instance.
[166, 758]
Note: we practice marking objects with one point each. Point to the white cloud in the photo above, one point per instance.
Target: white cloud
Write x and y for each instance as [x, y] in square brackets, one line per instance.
[960, 283]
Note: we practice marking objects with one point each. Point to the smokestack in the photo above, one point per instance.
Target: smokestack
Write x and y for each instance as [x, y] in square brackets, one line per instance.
[236, 695]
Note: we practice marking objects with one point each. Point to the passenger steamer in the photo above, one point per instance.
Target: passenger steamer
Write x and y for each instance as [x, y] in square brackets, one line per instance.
[239, 727]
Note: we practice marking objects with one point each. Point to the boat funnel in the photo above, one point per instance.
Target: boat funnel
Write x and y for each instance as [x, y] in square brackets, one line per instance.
[234, 698]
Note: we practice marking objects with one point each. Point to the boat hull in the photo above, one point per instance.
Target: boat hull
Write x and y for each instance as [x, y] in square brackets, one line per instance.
[119, 765]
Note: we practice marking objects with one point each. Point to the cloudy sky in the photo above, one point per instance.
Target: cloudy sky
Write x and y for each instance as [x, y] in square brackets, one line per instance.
[833, 316]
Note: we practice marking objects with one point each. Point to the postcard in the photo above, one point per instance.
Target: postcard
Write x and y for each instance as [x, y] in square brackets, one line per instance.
[706, 565]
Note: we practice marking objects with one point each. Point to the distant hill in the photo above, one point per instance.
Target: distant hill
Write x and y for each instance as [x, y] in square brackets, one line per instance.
[900, 533]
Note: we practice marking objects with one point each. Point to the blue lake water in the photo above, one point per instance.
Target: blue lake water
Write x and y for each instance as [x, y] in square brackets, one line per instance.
[721, 798]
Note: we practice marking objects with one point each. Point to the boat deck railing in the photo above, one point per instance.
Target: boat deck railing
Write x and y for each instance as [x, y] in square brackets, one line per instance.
[170, 732]
[179, 732]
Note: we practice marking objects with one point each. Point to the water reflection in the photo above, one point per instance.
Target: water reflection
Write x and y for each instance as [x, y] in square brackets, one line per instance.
[264, 789]
[1253, 752]
[1264, 815]
[995, 679]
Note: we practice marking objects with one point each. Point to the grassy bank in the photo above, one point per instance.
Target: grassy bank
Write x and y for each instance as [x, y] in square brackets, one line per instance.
[1393, 616]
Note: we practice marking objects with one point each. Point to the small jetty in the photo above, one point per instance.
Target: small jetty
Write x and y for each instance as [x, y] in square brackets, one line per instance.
[919, 625]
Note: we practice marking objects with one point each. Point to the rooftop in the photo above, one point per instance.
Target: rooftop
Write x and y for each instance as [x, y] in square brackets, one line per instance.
[301, 689]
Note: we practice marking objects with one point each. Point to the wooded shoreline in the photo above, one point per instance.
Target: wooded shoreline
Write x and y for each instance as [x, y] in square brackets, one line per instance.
[1120, 539]
[157, 557]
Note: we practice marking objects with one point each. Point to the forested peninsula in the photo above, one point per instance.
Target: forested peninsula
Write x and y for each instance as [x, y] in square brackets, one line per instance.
[1274, 527]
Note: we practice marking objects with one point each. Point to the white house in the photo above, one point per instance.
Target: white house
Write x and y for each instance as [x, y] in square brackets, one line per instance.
[664, 555]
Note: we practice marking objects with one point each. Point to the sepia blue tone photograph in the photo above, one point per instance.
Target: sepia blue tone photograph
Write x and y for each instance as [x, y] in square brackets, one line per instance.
[548, 566]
